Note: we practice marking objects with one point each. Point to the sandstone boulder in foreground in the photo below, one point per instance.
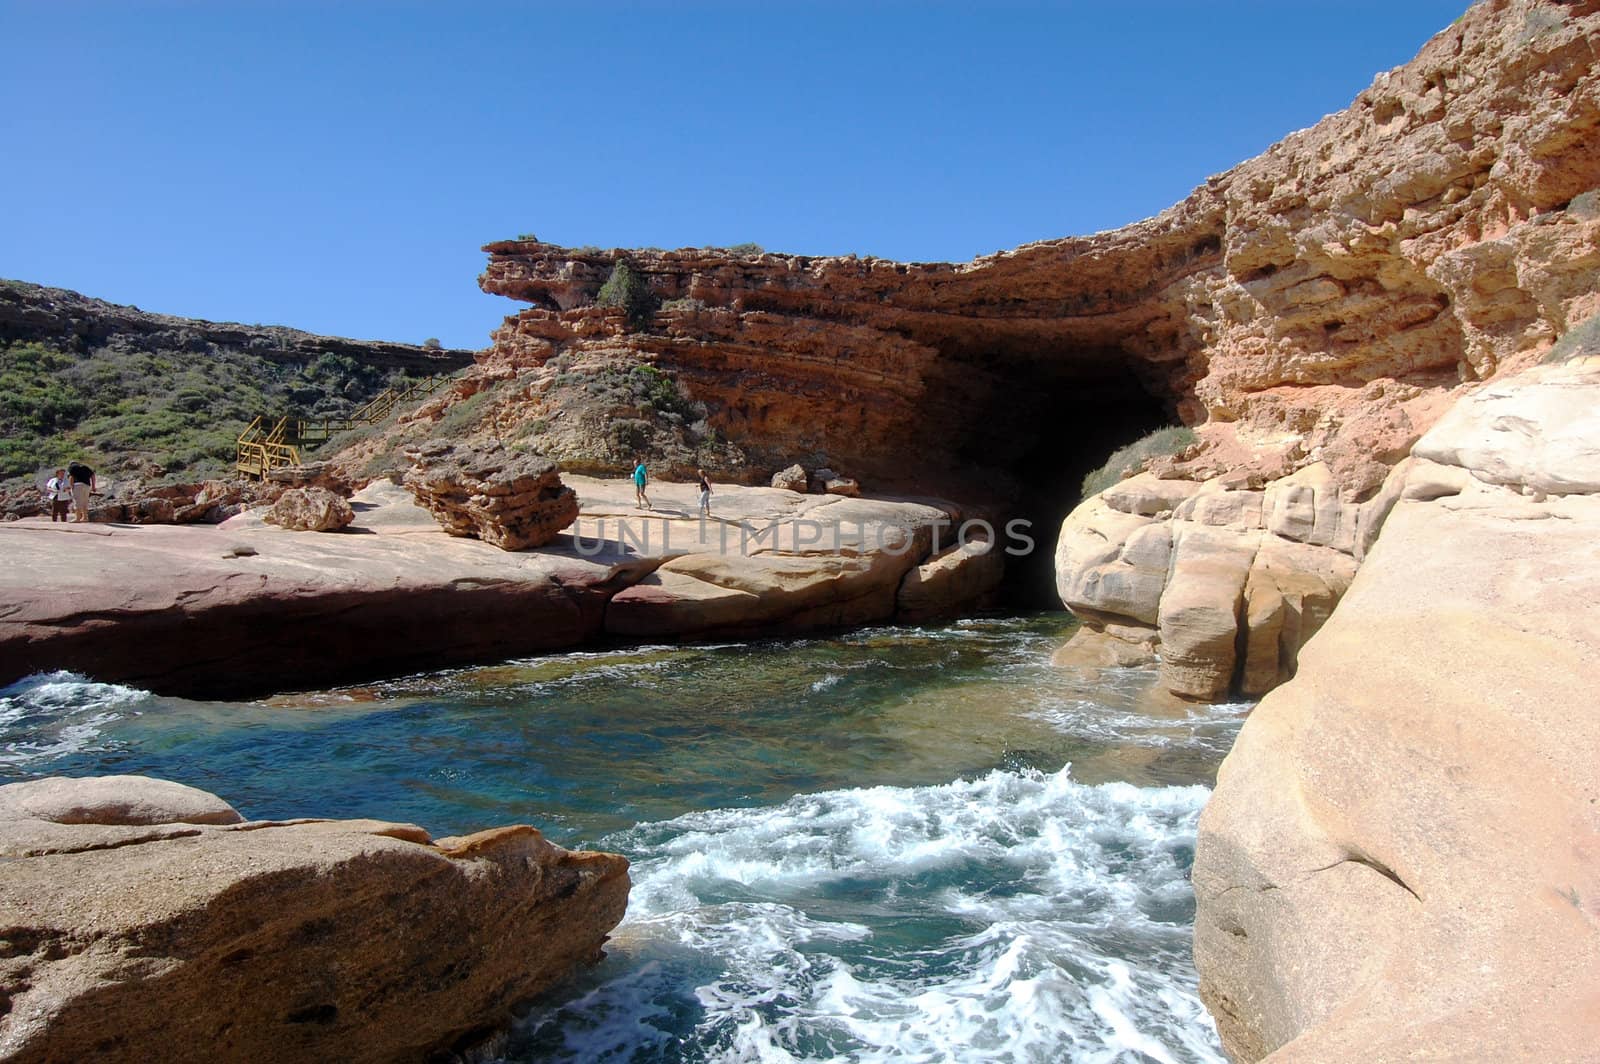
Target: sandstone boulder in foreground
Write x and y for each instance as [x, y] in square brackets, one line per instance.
[511, 501]
[1402, 857]
[351, 940]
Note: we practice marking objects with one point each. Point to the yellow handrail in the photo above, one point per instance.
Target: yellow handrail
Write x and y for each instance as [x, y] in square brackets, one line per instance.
[261, 451]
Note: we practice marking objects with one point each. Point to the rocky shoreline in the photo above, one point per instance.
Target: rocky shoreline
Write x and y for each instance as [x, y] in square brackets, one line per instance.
[146, 919]
[243, 608]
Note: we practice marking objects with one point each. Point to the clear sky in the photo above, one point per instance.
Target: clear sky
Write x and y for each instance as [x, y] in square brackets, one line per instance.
[337, 166]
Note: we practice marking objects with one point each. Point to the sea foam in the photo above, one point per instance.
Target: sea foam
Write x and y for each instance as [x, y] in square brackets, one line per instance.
[1018, 916]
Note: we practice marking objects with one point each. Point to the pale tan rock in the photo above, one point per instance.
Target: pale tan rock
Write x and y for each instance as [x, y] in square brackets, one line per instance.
[845, 486]
[1289, 594]
[512, 501]
[1202, 608]
[1097, 573]
[792, 478]
[1098, 649]
[119, 800]
[1402, 856]
[310, 510]
[348, 940]
[1147, 495]
[951, 581]
[1539, 430]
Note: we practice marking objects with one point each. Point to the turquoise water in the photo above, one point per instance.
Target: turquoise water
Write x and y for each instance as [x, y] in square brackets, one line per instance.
[899, 844]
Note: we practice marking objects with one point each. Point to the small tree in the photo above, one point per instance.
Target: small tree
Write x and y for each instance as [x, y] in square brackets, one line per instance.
[432, 343]
[627, 288]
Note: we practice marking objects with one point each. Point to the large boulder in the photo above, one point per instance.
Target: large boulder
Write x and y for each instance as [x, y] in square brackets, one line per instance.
[1228, 582]
[512, 501]
[1402, 856]
[793, 478]
[203, 940]
[310, 510]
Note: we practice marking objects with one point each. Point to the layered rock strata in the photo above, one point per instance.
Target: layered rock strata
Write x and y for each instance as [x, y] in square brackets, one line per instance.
[310, 510]
[511, 501]
[147, 920]
[1402, 857]
[1306, 306]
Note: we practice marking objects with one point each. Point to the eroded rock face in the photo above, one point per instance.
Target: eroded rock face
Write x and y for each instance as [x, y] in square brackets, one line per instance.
[1314, 304]
[791, 478]
[139, 929]
[511, 501]
[310, 510]
[1228, 582]
[1402, 856]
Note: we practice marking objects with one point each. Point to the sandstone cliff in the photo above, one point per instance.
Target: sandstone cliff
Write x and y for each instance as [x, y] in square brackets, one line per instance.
[1309, 305]
[145, 920]
[1402, 858]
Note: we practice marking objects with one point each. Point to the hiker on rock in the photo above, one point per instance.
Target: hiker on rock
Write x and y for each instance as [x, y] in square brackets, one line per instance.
[58, 489]
[82, 484]
[640, 478]
[705, 493]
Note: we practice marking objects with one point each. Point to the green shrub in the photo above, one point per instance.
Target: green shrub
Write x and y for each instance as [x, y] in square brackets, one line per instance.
[1577, 342]
[1585, 205]
[747, 249]
[628, 435]
[627, 288]
[1126, 460]
[460, 417]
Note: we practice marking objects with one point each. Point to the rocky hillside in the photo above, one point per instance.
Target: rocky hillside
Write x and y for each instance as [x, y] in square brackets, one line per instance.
[150, 396]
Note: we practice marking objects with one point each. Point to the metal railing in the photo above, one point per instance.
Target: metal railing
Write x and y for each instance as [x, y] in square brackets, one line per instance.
[262, 450]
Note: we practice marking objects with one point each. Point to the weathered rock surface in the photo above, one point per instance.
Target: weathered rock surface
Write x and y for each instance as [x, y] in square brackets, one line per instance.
[1315, 304]
[1402, 857]
[309, 510]
[244, 608]
[511, 501]
[791, 478]
[1229, 583]
[209, 939]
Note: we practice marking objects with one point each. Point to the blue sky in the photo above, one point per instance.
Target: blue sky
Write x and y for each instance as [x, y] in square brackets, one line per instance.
[337, 166]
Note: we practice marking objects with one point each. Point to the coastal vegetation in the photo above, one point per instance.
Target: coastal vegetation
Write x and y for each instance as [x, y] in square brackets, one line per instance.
[154, 413]
[1125, 461]
[627, 288]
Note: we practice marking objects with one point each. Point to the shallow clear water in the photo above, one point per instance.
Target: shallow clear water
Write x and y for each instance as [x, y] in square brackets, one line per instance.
[903, 843]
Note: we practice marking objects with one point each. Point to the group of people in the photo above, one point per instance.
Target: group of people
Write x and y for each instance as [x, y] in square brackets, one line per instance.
[641, 477]
[70, 486]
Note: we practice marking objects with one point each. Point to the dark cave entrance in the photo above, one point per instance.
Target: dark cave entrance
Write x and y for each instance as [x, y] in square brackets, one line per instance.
[1045, 424]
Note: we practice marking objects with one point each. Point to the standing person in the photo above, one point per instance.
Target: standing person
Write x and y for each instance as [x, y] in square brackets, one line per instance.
[82, 484]
[705, 493]
[59, 489]
[640, 478]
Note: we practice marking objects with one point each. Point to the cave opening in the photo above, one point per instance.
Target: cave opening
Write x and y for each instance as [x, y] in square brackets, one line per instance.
[1043, 424]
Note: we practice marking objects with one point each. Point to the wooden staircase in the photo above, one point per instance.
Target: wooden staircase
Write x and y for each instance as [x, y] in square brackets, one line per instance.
[263, 449]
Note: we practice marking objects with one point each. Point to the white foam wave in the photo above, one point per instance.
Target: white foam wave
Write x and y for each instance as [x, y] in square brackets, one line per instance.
[1020, 916]
[51, 715]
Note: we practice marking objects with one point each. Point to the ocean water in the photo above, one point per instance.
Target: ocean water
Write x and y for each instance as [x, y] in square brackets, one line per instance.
[907, 844]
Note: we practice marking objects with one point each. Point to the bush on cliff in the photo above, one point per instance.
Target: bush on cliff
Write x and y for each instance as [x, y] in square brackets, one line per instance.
[1126, 461]
[1577, 342]
[628, 289]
